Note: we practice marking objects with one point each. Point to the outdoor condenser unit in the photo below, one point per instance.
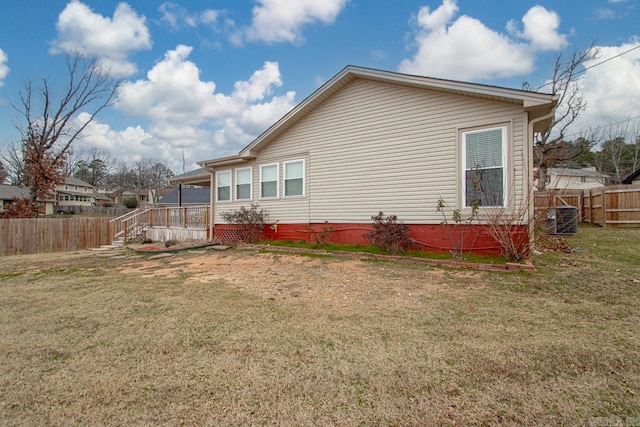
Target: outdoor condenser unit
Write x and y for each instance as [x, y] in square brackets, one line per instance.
[562, 220]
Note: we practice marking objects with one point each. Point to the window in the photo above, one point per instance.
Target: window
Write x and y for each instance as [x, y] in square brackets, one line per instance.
[75, 188]
[243, 184]
[66, 187]
[484, 156]
[583, 179]
[294, 178]
[223, 186]
[269, 180]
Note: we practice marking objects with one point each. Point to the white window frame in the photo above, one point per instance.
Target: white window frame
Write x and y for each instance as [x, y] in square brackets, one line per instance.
[226, 172]
[277, 165]
[284, 178]
[235, 186]
[463, 168]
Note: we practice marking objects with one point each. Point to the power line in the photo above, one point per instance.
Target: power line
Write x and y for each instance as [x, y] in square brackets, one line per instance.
[597, 128]
[608, 59]
[595, 65]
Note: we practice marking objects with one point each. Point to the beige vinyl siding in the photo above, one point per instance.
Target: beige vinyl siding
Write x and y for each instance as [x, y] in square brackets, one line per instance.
[384, 147]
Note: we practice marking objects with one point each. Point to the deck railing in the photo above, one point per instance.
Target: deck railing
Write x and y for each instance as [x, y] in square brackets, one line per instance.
[134, 223]
[193, 217]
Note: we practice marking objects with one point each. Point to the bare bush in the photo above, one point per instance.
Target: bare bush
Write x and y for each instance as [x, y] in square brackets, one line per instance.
[250, 221]
[388, 234]
[460, 229]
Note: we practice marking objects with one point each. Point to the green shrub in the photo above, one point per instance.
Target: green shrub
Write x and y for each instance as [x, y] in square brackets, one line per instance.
[130, 202]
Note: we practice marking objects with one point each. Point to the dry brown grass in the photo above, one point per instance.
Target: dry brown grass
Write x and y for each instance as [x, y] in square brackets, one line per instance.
[241, 338]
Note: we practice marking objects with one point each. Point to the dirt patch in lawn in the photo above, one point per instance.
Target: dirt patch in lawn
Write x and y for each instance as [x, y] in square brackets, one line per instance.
[294, 278]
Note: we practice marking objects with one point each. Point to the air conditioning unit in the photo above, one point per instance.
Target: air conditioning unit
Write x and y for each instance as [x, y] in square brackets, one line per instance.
[562, 220]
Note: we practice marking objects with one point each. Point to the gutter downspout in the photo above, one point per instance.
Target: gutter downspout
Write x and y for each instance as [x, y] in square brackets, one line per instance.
[531, 207]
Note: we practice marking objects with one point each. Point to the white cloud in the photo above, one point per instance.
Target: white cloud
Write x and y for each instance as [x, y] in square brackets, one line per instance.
[611, 89]
[466, 49]
[260, 83]
[277, 21]
[172, 91]
[541, 28]
[109, 39]
[605, 14]
[4, 68]
[185, 111]
[177, 16]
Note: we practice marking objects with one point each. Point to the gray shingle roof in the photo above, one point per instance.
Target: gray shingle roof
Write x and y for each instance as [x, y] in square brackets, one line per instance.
[576, 172]
[75, 181]
[190, 196]
[10, 192]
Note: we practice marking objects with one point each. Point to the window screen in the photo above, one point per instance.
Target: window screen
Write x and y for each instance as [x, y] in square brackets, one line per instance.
[294, 178]
[484, 169]
[269, 181]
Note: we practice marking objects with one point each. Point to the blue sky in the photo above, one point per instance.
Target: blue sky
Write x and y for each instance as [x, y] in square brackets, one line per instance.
[203, 78]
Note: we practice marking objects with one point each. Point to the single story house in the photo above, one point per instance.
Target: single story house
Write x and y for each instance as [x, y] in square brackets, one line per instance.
[10, 192]
[370, 140]
[574, 179]
[633, 178]
[145, 197]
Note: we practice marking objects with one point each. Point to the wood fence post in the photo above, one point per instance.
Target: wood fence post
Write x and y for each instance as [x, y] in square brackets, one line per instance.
[184, 217]
[604, 207]
[590, 206]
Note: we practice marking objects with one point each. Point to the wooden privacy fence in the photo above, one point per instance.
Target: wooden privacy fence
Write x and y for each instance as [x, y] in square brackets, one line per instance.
[93, 210]
[42, 235]
[613, 206]
[552, 198]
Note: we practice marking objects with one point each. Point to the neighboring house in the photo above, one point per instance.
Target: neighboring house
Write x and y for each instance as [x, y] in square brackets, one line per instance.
[633, 178]
[370, 141]
[101, 199]
[75, 192]
[10, 192]
[574, 179]
[144, 197]
[186, 197]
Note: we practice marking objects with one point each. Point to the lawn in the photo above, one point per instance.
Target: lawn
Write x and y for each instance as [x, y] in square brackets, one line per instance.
[247, 338]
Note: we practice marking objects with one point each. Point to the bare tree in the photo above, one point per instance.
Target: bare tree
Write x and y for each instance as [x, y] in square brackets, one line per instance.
[152, 174]
[549, 145]
[14, 163]
[49, 127]
[3, 173]
[94, 167]
[619, 150]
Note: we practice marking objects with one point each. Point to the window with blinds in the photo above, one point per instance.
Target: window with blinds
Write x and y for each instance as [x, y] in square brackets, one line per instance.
[484, 166]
